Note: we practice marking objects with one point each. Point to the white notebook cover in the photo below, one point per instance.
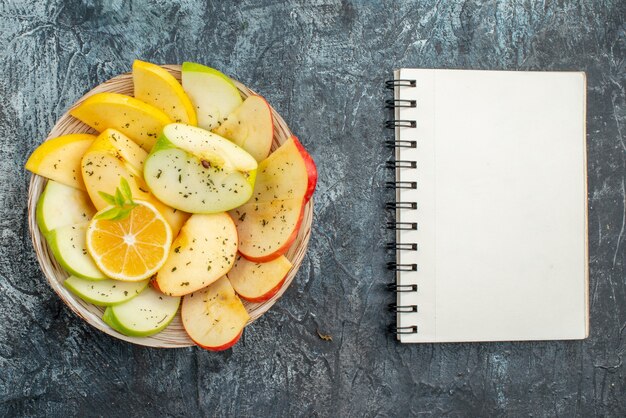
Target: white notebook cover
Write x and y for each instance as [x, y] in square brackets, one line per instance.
[501, 206]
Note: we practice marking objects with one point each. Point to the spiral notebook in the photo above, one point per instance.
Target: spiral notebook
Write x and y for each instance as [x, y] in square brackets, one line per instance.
[491, 205]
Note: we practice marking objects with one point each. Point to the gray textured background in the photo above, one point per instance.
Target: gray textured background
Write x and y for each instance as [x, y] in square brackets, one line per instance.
[322, 65]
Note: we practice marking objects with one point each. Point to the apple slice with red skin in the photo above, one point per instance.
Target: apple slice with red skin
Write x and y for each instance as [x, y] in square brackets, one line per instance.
[214, 317]
[267, 230]
[269, 222]
[258, 282]
[311, 170]
[288, 173]
[250, 126]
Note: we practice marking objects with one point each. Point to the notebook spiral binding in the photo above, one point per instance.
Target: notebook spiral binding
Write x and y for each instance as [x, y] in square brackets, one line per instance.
[394, 307]
[401, 144]
[401, 205]
[393, 103]
[401, 165]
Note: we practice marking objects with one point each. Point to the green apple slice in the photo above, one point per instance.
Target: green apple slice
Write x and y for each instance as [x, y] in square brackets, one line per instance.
[104, 292]
[60, 205]
[70, 250]
[197, 171]
[145, 315]
[110, 320]
[212, 93]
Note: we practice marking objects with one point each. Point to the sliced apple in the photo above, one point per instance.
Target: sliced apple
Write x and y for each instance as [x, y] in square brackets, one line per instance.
[267, 230]
[250, 126]
[197, 171]
[108, 319]
[258, 282]
[113, 156]
[147, 314]
[139, 121]
[60, 205]
[288, 173]
[59, 159]
[155, 86]
[204, 251]
[214, 317]
[104, 292]
[212, 93]
[269, 222]
[70, 250]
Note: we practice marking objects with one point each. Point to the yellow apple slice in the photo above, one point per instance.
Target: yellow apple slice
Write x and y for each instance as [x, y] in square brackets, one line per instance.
[250, 126]
[258, 282]
[119, 145]
[59, 159]
[112, 157]
[204, 251]
[139, 121]
[214, 317]
[155, 86]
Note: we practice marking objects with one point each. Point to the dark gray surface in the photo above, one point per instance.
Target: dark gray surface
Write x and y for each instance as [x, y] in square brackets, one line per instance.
[322, 65]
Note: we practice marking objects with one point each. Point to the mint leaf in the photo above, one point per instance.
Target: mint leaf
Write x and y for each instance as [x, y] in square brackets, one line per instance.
[126, 189]
[122, 202]
[123, 214]
[108, 198]
[109, 214]
[119, 199]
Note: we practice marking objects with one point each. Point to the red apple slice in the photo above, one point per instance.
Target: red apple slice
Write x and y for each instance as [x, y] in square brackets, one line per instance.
[214, 317]
[266, 230]
[311, 170]
[250, 126]
[203, 251]
[258, 282]
[269, 222]
[288, 173]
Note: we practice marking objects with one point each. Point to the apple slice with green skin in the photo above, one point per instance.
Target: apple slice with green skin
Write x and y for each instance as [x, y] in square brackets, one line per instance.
[58, 159]
[197, 171]
[110, 320]
[155, 86]
[104, 292]
[147, 314]
[258, 282]
[203, 251]
[70, 250]
[213, 94]
[138, 120]
[60, 205]
[214, 317]
[250, 126]
[113, 156]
